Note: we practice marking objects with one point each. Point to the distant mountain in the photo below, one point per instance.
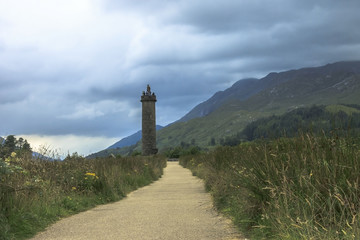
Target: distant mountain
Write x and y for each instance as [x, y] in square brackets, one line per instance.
[127, 141]
[300, 81]
[2, 140]
[130, 140]
[335, 83]
[229, 111]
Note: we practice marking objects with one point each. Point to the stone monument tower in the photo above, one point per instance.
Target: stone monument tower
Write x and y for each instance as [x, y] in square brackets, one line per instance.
[148, 100]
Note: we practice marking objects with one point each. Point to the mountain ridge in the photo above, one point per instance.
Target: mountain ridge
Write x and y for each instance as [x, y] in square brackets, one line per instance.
[236, 91]
[245, 88]
[333, 83]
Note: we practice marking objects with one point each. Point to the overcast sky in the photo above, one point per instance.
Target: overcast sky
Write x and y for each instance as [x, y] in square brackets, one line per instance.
[72, 72]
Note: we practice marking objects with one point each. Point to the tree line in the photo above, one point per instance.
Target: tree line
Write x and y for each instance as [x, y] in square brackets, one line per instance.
[314, 119]
[12, 144]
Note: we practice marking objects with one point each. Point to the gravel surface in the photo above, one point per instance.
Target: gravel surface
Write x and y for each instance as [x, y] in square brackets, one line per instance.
[174, 207]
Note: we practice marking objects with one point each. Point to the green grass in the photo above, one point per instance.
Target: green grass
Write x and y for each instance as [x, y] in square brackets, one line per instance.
[300, 188]
[36, 193]
[218, 124]
[337, 108]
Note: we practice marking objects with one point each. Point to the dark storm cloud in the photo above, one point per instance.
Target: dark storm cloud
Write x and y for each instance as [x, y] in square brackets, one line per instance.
[231, 16]
[228, 16]
[249, 31]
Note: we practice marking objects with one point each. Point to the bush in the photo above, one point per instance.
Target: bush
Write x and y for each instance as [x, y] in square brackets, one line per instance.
[182, 151]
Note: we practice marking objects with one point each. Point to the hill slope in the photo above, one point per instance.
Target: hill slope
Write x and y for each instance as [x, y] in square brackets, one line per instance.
[337, 83]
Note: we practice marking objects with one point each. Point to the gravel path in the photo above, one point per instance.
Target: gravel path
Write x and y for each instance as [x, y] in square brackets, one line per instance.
[174, 207]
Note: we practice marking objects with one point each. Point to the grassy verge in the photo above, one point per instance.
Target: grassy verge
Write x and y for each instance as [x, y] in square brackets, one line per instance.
[299, 188]
[34, 194]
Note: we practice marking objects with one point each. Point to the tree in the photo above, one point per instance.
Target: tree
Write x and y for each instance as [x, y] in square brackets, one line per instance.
[19, 143]
[26, 146]
[212, 142]
[9, 146]
[25, 149]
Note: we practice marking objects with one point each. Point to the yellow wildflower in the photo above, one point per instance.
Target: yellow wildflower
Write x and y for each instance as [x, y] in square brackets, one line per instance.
[13, 154]
[90, 174]
[73, 188]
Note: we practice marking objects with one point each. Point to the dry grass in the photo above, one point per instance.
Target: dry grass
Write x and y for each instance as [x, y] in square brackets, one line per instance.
[300, 188]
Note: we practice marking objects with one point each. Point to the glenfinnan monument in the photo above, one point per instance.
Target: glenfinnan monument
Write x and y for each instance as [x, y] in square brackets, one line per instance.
[148, 100]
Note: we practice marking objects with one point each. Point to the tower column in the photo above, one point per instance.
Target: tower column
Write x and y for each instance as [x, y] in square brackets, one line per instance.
[148, 100]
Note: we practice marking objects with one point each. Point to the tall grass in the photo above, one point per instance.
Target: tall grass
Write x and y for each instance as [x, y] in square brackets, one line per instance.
[300, 188]
[34, 193]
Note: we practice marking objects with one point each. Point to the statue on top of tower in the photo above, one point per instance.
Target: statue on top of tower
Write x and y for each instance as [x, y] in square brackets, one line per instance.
[148, 91]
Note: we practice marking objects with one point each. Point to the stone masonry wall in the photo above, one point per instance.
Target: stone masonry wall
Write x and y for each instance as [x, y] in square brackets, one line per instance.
[148, 125]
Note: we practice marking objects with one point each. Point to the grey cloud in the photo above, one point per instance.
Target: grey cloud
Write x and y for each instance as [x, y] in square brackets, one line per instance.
[288, 30]
[150, 7]
[9, 96]
[45, 120]
[227, 16]
[170, 89]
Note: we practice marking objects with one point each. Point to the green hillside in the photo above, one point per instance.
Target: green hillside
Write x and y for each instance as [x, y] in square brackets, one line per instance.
[332, 84]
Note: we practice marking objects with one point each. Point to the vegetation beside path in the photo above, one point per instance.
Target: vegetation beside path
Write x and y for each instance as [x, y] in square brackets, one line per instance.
[35, 193]
[305, 187]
